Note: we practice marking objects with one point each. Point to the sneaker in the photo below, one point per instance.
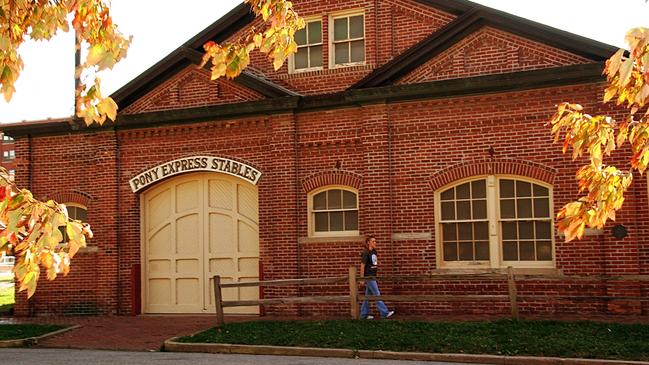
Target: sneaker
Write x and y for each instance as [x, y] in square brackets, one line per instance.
[390, 314]
[369, 317]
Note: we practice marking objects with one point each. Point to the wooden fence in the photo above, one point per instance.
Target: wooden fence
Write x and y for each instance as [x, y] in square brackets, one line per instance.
[354, 298]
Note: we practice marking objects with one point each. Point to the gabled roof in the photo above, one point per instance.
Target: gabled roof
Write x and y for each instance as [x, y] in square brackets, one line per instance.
[476, 17]
[190, 53]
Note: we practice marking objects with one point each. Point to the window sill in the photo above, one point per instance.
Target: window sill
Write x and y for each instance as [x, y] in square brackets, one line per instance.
[517, 271]
[329, 239]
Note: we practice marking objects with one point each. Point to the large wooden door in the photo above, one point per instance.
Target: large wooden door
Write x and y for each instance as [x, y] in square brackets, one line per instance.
[194, 227]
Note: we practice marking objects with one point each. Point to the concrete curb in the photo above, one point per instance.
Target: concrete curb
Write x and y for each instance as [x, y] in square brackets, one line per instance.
[31, 341]
[223, 348]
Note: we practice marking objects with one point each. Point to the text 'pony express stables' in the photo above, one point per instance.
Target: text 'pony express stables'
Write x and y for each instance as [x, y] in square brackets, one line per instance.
[195, 163]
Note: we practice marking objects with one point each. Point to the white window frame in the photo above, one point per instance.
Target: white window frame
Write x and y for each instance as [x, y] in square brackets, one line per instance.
[332, 55]
[9, 154]
[291, 59]
[311, 213]
[75, 205]
[495, 233]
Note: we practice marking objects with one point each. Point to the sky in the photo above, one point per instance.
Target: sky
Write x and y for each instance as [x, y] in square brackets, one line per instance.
[45, 88]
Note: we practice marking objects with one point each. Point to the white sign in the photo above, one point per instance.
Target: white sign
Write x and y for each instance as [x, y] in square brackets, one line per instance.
[193, 164]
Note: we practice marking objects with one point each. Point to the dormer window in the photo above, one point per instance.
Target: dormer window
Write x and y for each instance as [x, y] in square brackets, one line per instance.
[347, 39]
[309, 47]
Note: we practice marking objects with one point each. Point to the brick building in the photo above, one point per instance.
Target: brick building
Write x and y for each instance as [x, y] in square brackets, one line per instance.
[421, 122]
[8, 153]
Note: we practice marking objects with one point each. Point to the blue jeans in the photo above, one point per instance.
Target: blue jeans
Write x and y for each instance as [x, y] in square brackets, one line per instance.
[372, 288]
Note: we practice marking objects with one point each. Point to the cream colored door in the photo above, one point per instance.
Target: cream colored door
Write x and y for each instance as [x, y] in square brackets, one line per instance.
[197, 226]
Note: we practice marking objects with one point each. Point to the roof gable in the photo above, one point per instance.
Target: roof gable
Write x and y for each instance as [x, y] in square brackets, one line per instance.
[470, 22]
[489, 51]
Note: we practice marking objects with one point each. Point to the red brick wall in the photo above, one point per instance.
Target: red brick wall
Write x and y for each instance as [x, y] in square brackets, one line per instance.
[490, 51]
[393, 151]
[192, 87]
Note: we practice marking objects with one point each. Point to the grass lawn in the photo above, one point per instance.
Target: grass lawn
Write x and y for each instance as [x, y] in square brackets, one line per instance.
[503, 337]
[7, 299]
[20, 331]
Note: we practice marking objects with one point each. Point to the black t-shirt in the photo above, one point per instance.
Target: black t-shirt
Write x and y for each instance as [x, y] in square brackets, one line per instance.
[369, 259]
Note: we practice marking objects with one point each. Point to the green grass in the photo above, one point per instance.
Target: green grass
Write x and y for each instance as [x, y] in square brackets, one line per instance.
[503, 337]
[20, 331]
[7, 299]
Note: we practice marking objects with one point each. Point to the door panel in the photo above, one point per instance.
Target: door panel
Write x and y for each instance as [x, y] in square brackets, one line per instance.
[197, 226]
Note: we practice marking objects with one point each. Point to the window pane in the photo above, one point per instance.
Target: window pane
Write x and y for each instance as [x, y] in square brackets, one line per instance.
[506, 188]
[449, 231]
[448, 194]
[340, 29]
[450, 251]
[478, 189]
[342, 53]
[540, 191]
[465, 231]
[479, 209]
[543, 230]
[544, 251]
[525, 230]
[482, 251]
[349, 200]
[466, 251]
[464, 210]
[322, 222]
[481, 231]
[301, 60]
[300, 37]
[315, 32]
[463, 191]
[358, 51]
[336, 221]
[541, 207]
[80, 214]
[507, 209]
[510, 251]
[356, 26]
[524, 208]
[316, 56]
[523, 189]
[510, 230]
[334, 200]
[527, 251]
[448, 211]
[320, 201]
[351, 220]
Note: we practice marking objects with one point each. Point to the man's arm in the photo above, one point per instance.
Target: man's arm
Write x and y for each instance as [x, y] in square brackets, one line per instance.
[362, 269]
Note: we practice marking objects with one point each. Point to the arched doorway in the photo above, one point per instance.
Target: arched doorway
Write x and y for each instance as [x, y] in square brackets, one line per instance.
[195, 226]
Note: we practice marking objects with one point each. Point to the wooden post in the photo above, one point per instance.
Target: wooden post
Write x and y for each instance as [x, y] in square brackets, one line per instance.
[512, 292]
[353, 292]
[217, 301]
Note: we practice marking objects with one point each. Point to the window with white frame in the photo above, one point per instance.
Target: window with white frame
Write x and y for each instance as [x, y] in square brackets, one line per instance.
[347, 39]
[6, 138]
[309, 47]
[495, 221]
[9, 154]
[333, 211]
[75, 211]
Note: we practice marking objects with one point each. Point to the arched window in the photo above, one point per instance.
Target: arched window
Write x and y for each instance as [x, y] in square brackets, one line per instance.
[75, 211]
[495, 221]
[333, 211]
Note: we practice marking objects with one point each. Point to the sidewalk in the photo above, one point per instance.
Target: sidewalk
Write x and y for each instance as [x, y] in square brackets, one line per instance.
[141, 333]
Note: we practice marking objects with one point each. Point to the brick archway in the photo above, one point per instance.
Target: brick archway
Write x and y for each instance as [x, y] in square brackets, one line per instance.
[76, 197]
[332, 177]
[501, 166]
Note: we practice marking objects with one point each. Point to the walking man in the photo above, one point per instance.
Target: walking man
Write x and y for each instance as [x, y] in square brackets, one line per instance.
[369, 266]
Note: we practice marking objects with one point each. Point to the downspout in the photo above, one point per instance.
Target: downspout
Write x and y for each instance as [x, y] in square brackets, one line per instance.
[118, 173]
[297, 206]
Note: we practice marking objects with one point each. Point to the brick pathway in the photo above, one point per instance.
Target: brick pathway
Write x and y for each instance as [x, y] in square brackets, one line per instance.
[148, 332]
